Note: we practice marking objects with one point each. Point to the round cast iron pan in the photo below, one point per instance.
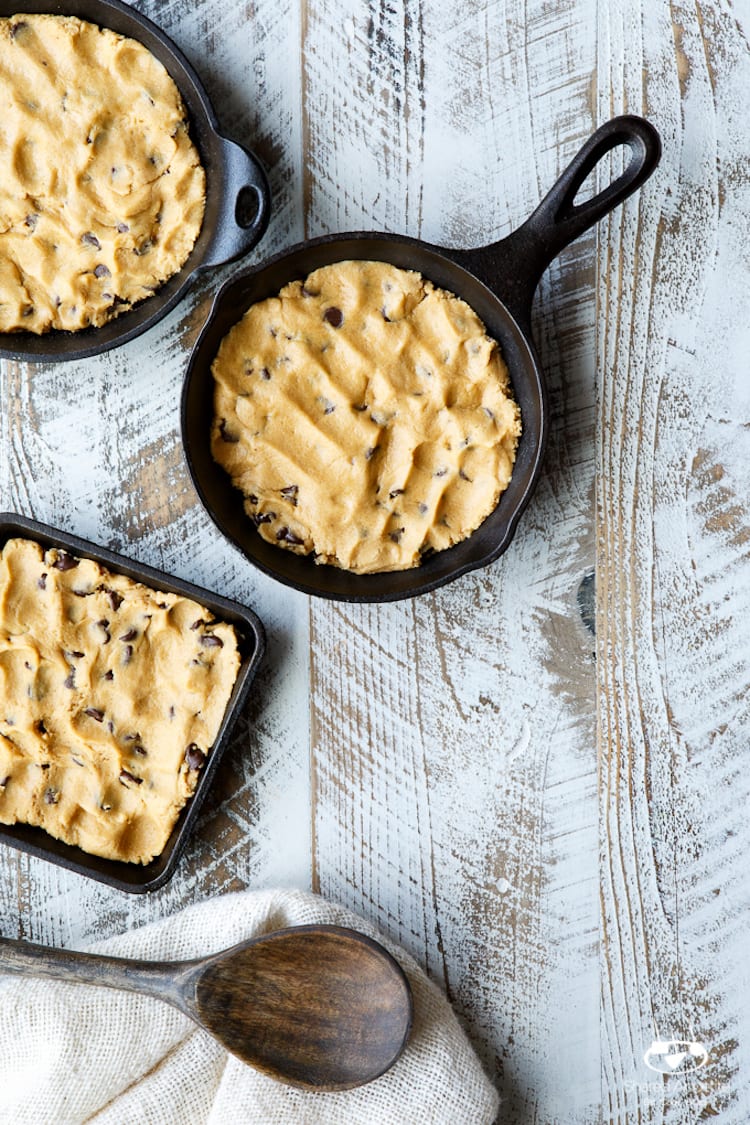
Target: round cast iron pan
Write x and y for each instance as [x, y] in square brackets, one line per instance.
[238, 199]
[498, 282]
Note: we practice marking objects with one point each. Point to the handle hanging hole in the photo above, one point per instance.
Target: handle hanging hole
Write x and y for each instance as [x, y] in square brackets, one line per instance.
[609, 169]
[247, 207]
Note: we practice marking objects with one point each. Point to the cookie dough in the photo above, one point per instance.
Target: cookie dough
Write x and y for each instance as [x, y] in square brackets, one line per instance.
[111, 696]
[365, 415]
[102, 191]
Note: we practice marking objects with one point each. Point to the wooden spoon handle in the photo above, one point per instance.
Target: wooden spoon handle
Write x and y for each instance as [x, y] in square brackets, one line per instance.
[155, 979]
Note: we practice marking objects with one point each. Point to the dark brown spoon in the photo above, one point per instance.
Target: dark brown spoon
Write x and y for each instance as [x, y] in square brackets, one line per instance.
[320, 1007]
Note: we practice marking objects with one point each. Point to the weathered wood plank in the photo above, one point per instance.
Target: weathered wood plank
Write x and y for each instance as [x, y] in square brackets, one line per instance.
[454, 758]
[674, 566]
[94, 447]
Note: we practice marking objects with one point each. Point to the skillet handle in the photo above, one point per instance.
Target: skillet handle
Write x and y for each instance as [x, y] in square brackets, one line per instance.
[514, 266]
[245, 205]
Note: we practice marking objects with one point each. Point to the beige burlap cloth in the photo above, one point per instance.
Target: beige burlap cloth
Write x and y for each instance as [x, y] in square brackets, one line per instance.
[73, 1053]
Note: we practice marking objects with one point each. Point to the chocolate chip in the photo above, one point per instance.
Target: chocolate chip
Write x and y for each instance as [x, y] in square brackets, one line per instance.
[31, 221]
[197, 624]
[74, 654]
[16, 28]
[144, 248]
[265, 373]
[262, 517]
[71, 680]
[140, 751]
[130, 635]
[111, 727]
[28, 311]
[104, 624]
[27, 664]
[194, 757]
[172, 711]
[90, 239]
[370, 453]
[44, 766]
[102, 271]
[252, 499]
[396, 492]
[126, 776]
[115, 599]
[227, 435]
[360, 408]
[284, 535]
[42, 582]
[385, 316]
[396, 535]
[290, 493]
[440, 472]
[64, 561]
[123, 228]
[4, 781]
[51, 796]
[422, 509]
[127, 654]
[334, 316]
[108, 675]
[41, 727]
[94, 713]
[131, 737]
[328, 406]
[488, 412]
[208, 640]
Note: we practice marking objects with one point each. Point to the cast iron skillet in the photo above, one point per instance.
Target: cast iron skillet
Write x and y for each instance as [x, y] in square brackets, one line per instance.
[498, 282]
[238, 199]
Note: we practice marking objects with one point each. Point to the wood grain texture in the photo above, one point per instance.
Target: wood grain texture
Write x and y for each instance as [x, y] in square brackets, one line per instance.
[94, 448]
[453, 737]
[673, 566]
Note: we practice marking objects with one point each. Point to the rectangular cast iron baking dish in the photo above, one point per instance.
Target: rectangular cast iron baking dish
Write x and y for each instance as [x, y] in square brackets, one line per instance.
[138, 877]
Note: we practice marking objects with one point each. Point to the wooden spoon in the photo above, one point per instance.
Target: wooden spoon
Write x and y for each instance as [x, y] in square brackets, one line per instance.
[320, 1007]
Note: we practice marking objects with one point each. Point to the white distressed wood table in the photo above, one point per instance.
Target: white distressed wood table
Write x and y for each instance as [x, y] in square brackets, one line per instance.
[537, 778]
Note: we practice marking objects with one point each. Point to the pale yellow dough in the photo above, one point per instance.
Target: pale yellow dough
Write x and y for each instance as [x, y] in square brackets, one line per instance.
[111, 696]
[366, 416]
[102, 192]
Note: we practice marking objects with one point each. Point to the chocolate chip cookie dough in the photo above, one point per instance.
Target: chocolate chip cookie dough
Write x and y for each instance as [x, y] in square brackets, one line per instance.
[111, 696]
[102, 191]
[365, 415]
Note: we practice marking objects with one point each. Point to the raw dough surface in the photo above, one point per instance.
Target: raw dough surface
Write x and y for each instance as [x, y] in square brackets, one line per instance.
[102, 191]
[111, 696]
[365, 415]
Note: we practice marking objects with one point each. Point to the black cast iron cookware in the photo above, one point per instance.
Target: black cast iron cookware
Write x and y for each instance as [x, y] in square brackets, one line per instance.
[238, 199]
[137, 877]
[498, 282]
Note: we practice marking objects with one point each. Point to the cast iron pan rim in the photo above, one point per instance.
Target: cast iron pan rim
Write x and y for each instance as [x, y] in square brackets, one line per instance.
[430, 584]
[159, 308]
[73, 858]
